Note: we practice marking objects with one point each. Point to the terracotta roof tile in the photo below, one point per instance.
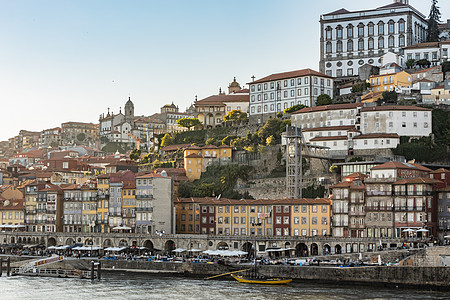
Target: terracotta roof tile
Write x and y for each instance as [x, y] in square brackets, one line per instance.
[291, 74]
[328, 107]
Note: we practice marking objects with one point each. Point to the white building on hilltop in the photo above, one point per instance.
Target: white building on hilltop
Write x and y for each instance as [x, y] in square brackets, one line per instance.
[274, 93]
[351, 39]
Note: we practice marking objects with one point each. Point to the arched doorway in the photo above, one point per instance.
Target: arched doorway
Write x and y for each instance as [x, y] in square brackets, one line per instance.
[51, 242]
[301, 250]
[248, 247]
[314, 249]
[123, 243]
[70, 241]
[338, 249]
[148, 244]
[326, 249]
[222, 246]
[107, 243]
[13, 240]
[169, 246]
[19, 240]
[89, 242]
[134, 243]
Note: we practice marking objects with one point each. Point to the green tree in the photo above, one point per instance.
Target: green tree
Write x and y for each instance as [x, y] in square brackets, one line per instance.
[423, 63]
[167, 140]
[410, 63]
[323, 99]
[188, 123]
[294, 108]
[434, 19]
[81, 136]
[211, 141]
[227, 140]
[360, 87]
[235, 115]
[273, 127]
[135, 154]
[270, 141]
[388, 97]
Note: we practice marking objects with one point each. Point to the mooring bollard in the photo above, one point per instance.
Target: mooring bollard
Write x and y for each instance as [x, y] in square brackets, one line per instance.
[8, 266]
[99, 270]
[92, 270]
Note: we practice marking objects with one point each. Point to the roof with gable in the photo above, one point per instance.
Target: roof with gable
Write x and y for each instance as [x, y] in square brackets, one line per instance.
[393, 107]
[419, 180]
[330, 128]
[376, 136]
[225, 201]
[291, 74]
[423, 45]
[441, 170]
[221, 99]
[328, 107]
[425, 70]
[329, 138]
[400, 165]
[175, 147]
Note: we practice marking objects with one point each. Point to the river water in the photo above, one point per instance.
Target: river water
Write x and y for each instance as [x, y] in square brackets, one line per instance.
[143, 286]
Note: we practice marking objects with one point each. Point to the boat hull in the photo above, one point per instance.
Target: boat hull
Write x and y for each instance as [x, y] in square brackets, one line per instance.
[261, 281]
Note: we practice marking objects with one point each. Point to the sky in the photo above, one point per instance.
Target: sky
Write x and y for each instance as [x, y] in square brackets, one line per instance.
[64, 60]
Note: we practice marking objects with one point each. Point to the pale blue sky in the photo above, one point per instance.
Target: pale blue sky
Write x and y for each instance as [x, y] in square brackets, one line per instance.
[70, 60]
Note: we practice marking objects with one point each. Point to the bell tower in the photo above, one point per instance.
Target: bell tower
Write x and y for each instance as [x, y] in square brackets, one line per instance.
[129, 110]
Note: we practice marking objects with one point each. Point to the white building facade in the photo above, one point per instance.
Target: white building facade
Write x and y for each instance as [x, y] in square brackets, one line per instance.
[403, 120]
[351, 39]
[274, 93]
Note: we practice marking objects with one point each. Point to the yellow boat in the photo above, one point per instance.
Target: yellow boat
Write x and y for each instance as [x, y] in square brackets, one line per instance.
[261, 281]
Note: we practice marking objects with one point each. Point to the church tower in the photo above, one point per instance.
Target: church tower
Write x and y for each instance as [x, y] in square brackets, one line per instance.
[234, 86]
[129, 110]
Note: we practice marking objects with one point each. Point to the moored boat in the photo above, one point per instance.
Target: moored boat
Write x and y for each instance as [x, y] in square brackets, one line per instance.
[268, 280]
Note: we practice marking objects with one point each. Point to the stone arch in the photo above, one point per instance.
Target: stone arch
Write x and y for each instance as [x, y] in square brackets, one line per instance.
[19, 240]
[70, 241]
[301, 250]
[248, 247]
[88, 241]
[123, 243]
[326, 249]
[29, 240]
[222, 246]
[209, 119]
[33, 240]
[148, 244]
[107, 243]
[134, 243]
[51, 241]
[314, 249]
[338, 249]
[169, 246]
[13, 240]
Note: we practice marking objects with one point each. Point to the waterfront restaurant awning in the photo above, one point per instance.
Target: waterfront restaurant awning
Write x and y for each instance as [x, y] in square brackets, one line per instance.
[195, 250]
[87, 248]
[10, 226]
[116, 249]
[179, 250]
[121, 228]
[422, 230]
[409, 230]
[225, 252]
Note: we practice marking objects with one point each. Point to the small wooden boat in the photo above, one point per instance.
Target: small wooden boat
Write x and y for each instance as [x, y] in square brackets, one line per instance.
[261, 280]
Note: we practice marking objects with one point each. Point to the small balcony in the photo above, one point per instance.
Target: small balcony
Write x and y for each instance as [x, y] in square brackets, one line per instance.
[149, 209]
[144, 196]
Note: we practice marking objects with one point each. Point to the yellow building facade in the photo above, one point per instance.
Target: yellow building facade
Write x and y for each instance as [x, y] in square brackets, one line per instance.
[390, 82]
[197, 159]
[187, 211]
[12, 212]
[129, 205]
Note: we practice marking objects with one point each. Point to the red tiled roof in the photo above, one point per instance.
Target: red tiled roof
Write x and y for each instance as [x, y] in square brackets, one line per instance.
[210, 147]
[423, 45]
[399, 165]
[441, 170]
[425, 180]
[329, 138]
[376, 136]
[393, 107]
[344, 127]
[337, 12]
[328, 107]
[438, 87]
[425, 70]
[292, 74]
[221, 99]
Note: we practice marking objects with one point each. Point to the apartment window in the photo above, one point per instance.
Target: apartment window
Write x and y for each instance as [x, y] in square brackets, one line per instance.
[391, 27]
[329, 47]
[285, 83]
[381, 28]
[425, 125]
[265, 86]
[361, 30]
[339, 46]
[401, 41]
[350, 31]
[391, 124]
[370, 28]
[292, 82]
[299, 92]
[339, 32]
[391, 42]
[286, 220]
[401, 26]
[329, 32]
[350, 46]
[361, 44]
[371, 44]
[403, 124]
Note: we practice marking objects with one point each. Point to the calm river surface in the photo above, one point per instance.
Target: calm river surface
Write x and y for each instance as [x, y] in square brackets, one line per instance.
[142, 286]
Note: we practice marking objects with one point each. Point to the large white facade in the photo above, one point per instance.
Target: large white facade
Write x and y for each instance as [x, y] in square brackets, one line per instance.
[327, 115]
[352, 39]
[274, 93]
[403, 120]
[435, 52]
